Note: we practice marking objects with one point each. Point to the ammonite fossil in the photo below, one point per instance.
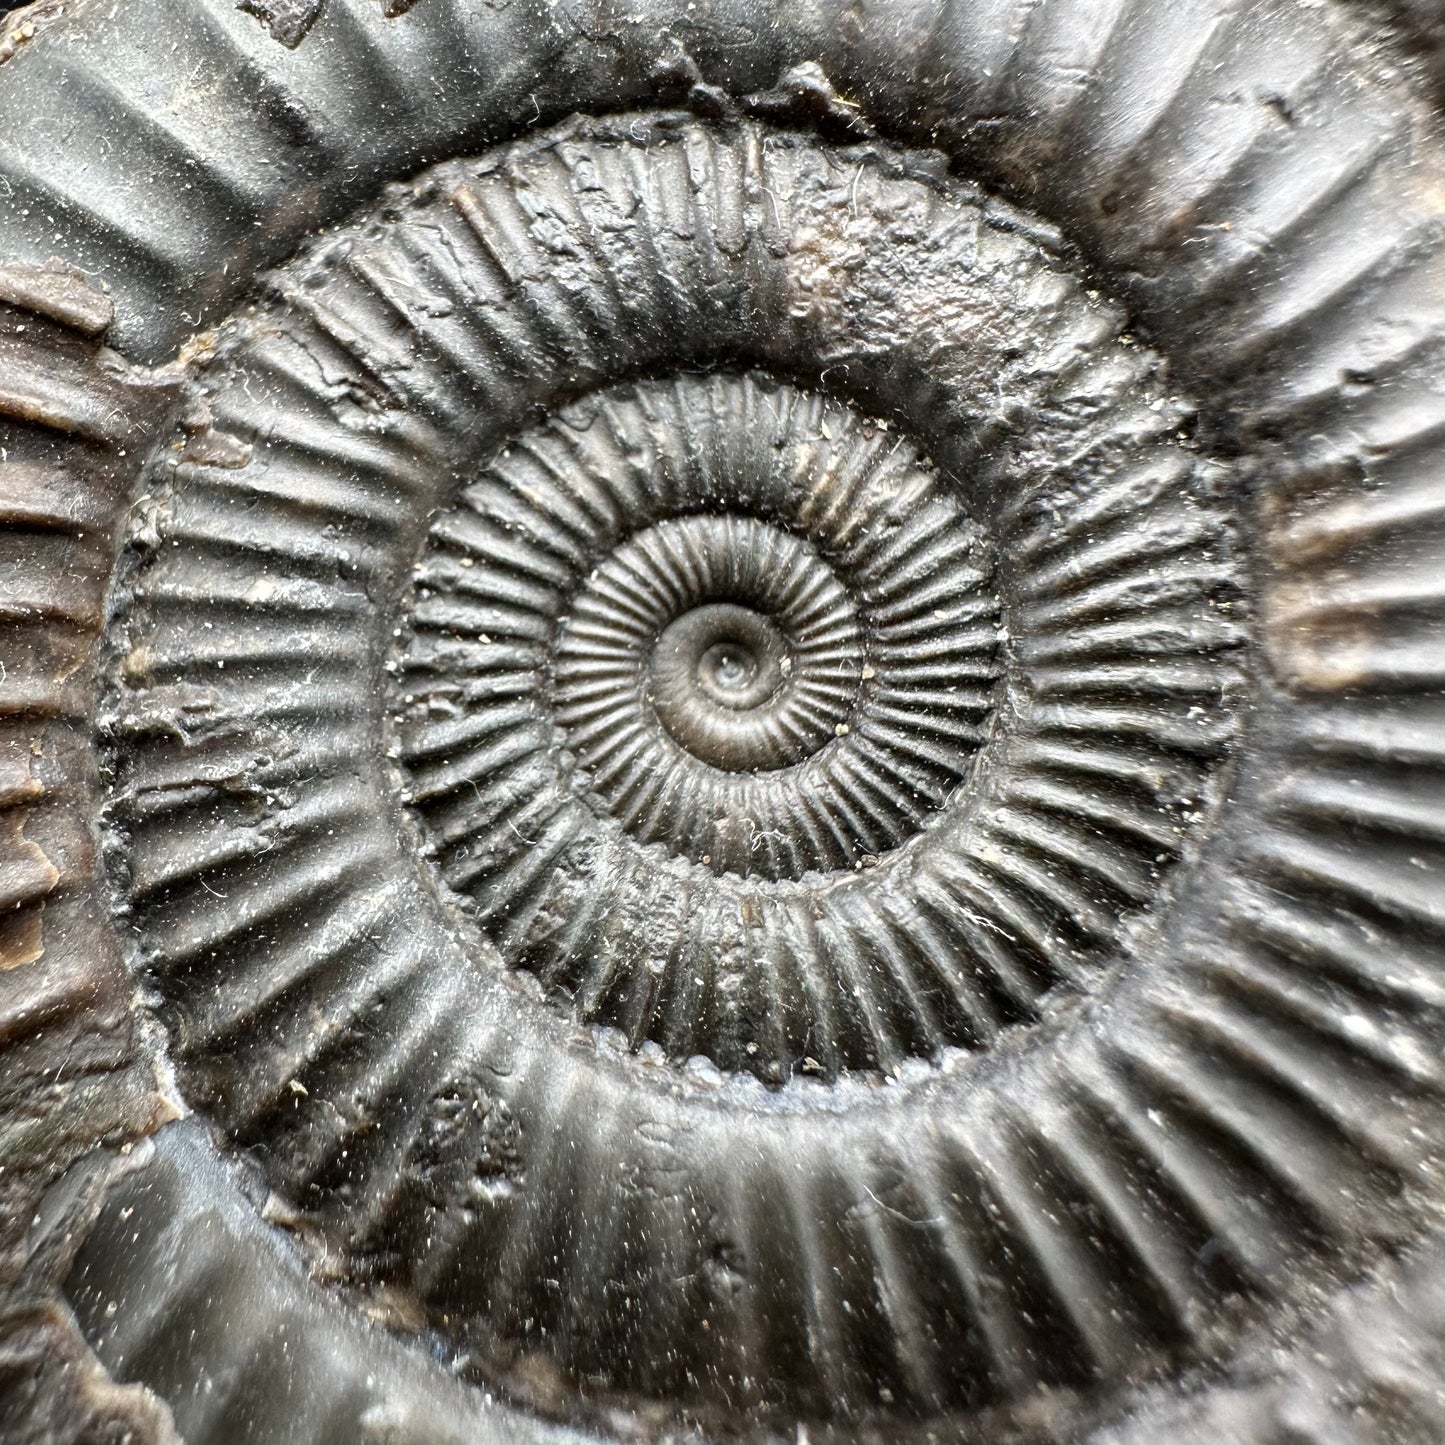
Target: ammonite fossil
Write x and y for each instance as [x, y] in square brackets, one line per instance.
[721, 722]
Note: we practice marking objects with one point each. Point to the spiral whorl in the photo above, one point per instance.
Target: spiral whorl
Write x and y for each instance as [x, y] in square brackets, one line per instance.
[755, 772]
[774, 689]
[715, 637]
[738, 641]
[740, 637]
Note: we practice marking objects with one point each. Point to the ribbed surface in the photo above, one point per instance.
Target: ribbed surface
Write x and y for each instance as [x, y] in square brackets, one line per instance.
[571, 774]
[73, 424]
[1069, 1207]
[992, 763]
[65, 421]
[233, 1281]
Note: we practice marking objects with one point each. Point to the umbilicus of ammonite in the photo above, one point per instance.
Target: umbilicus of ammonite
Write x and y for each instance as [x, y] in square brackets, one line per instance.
[723, 725]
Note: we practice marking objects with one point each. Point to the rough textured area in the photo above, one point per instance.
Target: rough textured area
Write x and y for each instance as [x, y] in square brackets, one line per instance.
[287, 20]
[72, 422]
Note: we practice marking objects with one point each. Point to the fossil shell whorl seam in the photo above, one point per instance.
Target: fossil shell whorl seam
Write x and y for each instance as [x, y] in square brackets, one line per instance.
[406, 1091]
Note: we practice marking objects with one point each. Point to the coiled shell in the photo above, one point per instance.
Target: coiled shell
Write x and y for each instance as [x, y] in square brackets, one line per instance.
[750, 788]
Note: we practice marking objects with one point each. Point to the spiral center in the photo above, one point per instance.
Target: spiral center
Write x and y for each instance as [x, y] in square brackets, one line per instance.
[727, 668]
[715, 672]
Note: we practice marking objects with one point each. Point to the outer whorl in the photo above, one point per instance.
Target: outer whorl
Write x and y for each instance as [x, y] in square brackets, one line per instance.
[748, 789]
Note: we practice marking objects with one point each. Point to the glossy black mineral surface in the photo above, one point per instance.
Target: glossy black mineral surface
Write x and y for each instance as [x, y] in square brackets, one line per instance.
[722, 722]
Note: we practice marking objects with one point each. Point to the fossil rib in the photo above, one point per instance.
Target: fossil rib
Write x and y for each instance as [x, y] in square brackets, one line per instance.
[749, 789]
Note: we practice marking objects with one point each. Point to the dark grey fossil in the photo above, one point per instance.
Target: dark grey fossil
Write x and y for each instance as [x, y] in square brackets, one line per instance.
[720, 722]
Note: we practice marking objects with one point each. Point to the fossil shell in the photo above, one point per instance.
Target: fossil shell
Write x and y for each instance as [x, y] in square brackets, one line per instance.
[748, 714]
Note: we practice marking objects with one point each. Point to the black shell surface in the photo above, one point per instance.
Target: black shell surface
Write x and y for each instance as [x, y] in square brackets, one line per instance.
[721, 722]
